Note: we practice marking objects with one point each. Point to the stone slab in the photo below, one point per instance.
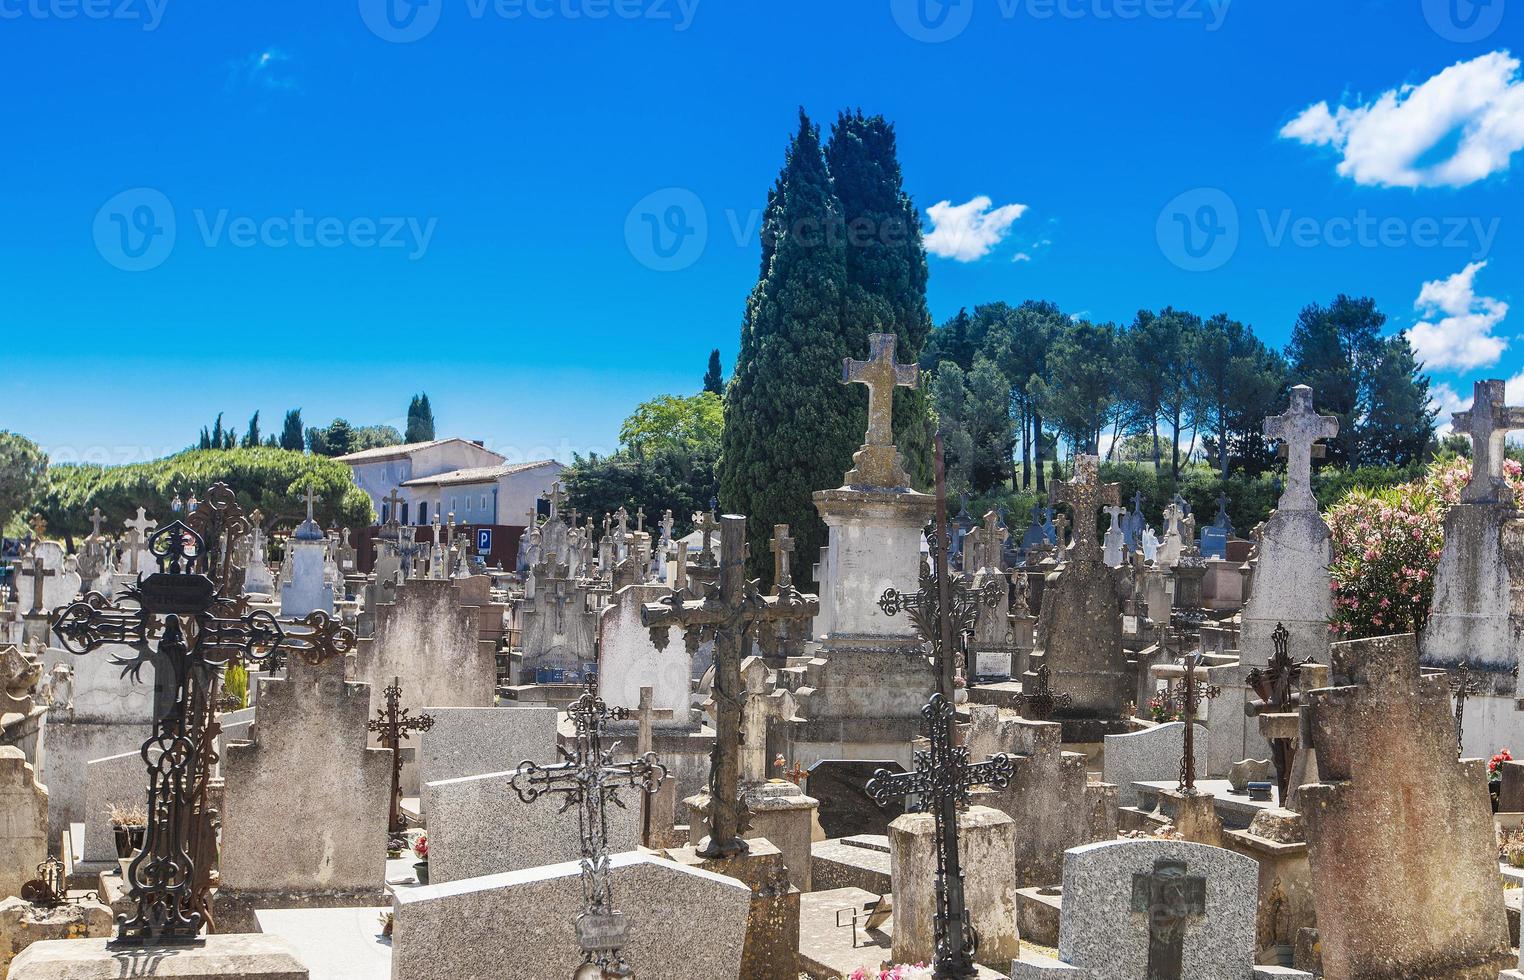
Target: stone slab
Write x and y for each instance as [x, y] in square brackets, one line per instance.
[334, 944]
[685, 923]
[1152, 754]
[223, 957]
[473, 741]
[836, 864]
[118, 780]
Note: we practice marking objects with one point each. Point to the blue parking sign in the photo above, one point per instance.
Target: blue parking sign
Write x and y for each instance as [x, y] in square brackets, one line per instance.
[483, 540]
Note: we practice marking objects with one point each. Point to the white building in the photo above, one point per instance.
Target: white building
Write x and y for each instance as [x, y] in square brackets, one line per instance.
[450, 475]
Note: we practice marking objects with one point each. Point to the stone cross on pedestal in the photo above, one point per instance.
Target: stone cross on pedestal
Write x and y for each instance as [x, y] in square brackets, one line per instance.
[705, 524]
[877, 464]
[95, 524]
[393, 723]
[640, 519]
[782, 547]
[557, 498]
[1170, 898]
[38, 573]
[991, 541]
[729, 611]
[1488, 422]
[1300, 428]
[138, 529]
[666, 527]
[310, 500]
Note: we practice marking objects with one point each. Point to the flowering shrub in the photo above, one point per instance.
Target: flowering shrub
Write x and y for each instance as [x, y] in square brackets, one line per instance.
[1495, 766]
[1386, 547]
[918, 972]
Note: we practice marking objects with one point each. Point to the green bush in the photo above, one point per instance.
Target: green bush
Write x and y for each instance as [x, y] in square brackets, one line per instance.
[272, 480]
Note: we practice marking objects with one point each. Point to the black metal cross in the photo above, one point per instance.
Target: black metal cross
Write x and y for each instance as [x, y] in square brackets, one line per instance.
[1462, 685]
[589, 780]
[1039, 703]
[1186, 698]
[1170, 897]
[394, 723]
[1276, 684]
[182, 623]
[943, 775]
[728, 612]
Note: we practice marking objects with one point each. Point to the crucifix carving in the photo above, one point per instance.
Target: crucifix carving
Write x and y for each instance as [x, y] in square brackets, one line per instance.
[1170, 898]
[138, 534]
[729, 611]
[1488, 422]
[877, 464]
[1085, 493]
[1299, 427]
[393, 723]
[1039, 703]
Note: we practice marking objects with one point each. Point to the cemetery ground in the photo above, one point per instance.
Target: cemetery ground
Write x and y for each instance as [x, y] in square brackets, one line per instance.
[1098, 742]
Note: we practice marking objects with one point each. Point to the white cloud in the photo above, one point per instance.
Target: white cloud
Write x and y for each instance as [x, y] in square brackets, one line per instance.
[1445, 402]
[1457, 330]
[965, 232]
[1021, 257]
[262, 69]
[1478, 103]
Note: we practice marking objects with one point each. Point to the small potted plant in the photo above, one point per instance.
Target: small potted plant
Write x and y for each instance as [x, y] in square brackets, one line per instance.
[421, 852]
[128, 825]
[1495, 776]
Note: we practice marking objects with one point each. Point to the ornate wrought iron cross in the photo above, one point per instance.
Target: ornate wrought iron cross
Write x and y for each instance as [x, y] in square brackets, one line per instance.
[590, 780]
[1039, 703]
[1276, 685]
[182, 623]
[394, 724]
[728, 612]
[1186, 698]
[1462, 685]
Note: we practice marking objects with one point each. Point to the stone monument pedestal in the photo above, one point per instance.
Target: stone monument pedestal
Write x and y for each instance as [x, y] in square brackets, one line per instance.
[220, 957]
[771, 951]
[780, 812]
[1196, 817]
[22, 924]
[987, 846]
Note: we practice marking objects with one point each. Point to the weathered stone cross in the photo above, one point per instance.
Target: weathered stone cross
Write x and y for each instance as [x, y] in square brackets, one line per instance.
[1085, 493]
[95, 523]
[882, 375]
[782, 547]
[139, 528]
[991, 541]
[1299, 428]
[393, 507]
[39, 573]
[1169, 897]
[1488, 422]
[729, 611]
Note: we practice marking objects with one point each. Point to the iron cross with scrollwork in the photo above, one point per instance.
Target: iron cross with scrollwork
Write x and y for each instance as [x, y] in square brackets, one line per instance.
[1462, 685]
[940, 783]
[181, 621]
[1039, 703]
[589, 780]
[729, 612]
[393, 723]
[1276, 686]
[1186, 698]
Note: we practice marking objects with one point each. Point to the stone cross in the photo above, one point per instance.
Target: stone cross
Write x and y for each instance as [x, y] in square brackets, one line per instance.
[679, 567]
[1170, 898]
[783, 547]
[992, 541]
[139, 529]
[640, 519]
[1299, 428]
[557, 500]
[730, 611]
[393, 724]
[882, 375]
[1085, 493]
[310, 500]
[666, 527]
[38, 574]
[705, 523]
[1488, 422]
[754, 715]
[95, 524]
[393, 507]
[644, 743]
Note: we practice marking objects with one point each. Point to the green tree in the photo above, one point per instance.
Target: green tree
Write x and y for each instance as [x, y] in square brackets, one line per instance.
[1180, 330]
[714, 376]
[373, 437]
[251, 438]
[1081, 397]
[886, 269]
[337, 439]
[1236, 383]
[23, 475]
[1331, 348]
[292, 436]
[789, 427]
[675, 421]
[1398, 426]
[948, 388]
[420, 420]
[217, 438]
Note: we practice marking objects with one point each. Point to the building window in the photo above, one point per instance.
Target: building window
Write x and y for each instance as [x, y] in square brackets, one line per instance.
[404, 513]
[484, 502]
[423, 512]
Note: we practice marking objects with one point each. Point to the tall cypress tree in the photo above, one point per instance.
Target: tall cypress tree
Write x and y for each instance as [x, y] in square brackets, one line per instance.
[420, 420]
[886, 266]
[790, 428]
[714, 376]
[292, 435]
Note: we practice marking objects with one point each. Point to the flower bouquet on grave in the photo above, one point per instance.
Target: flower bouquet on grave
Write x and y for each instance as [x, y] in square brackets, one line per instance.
[421, 852]
[1495, 776]
[128, 825]
[1161, 708]
[919, 971]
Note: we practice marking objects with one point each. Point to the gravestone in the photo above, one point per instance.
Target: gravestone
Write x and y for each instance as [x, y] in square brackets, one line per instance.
[1155, 909]
[559, 630]
[308, 589]
[257, 577]
[684, 923]
[478, 825]
[430, 639]
[118, 781]
[23, 821]
[1396, 815]
[629, 661]
[307, 762]
[1114, 547]
[1150, 755]
[1478, 611]
[473, 741]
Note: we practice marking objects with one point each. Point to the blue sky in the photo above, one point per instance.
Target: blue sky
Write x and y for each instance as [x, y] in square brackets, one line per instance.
[220, 207]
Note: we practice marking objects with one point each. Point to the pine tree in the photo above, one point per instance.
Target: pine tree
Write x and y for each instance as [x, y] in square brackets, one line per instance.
[420, 420]
[252, 438]
[216, 442]
[714, 377]
[291, 435]
[886, 266]
[206, 439]
[1399, 423]
[790, 428]
[1331, 348]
